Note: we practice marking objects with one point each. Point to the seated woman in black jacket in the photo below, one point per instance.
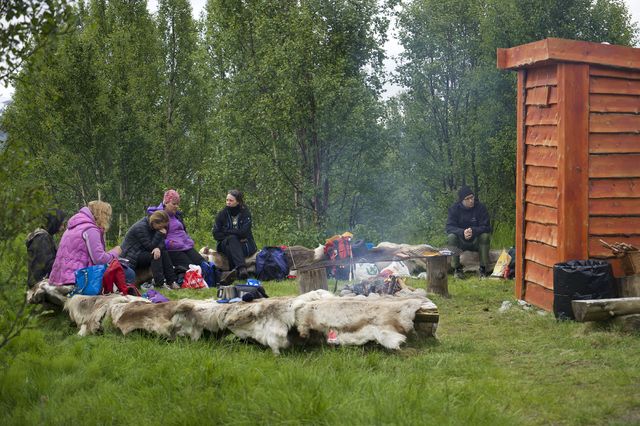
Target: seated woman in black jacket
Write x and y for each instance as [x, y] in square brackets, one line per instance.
[232, 231]
[144, 245]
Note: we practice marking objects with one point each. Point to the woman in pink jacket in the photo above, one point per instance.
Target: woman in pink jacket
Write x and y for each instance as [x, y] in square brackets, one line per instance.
[82, 244]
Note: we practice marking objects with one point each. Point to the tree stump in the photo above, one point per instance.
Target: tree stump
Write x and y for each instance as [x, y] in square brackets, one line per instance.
[437, 275]
[314, 279]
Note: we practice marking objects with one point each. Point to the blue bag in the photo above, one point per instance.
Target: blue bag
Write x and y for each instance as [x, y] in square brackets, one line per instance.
[209, 273]
[89, 280]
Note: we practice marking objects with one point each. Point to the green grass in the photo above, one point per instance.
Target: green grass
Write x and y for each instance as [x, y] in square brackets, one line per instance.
[485, 367]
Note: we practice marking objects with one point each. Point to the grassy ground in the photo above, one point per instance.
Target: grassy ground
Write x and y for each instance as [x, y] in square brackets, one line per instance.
[485, 367]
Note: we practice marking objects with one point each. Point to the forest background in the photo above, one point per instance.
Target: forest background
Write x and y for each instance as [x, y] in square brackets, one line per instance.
[283, 101]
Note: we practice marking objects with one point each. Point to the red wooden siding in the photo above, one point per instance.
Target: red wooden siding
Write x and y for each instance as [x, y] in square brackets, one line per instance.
[614, 159]
[540, 167]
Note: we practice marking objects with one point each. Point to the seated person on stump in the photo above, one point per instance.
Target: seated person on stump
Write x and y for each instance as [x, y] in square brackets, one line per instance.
[468, 228]
[232, 231]
[144, 246]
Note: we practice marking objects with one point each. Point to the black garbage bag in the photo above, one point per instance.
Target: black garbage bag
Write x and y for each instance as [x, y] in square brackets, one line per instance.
[580, 280]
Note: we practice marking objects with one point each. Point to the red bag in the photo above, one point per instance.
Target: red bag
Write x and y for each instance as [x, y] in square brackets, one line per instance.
[193, 279]
[114, 275]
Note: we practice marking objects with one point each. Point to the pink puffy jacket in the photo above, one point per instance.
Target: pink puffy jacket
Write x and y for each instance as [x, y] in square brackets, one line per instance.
[82, 245]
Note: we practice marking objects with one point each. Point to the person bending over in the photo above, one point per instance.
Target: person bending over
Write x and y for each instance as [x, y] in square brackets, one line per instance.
[177, 242]
[468, 228]
[144, 246]
[41, 247]
[82, 244]
[232, 231]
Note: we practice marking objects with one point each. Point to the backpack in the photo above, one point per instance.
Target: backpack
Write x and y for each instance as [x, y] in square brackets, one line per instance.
[339, 248]
[210, 273]
[271, 264]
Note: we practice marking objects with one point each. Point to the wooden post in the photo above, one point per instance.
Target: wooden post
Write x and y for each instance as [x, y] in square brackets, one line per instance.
[314, 279]
[437, 275]
[520, 184]
[573, 161]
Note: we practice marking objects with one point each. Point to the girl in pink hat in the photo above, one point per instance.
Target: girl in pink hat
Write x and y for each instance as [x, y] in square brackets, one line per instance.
[177, 242]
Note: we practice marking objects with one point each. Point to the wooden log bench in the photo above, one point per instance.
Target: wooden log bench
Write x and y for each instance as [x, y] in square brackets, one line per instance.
[624, 311]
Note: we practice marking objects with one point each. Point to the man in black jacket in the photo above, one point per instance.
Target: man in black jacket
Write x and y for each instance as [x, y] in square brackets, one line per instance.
[469, 228]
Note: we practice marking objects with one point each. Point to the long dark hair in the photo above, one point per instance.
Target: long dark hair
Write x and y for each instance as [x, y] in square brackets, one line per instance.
[237, 195]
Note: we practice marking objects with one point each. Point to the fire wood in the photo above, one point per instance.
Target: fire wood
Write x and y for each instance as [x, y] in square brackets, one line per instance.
[602, 309]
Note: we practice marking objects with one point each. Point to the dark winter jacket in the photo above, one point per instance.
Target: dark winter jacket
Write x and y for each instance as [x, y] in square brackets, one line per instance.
[41, 249]
[141, 238]
[461, 218]
[225, 226]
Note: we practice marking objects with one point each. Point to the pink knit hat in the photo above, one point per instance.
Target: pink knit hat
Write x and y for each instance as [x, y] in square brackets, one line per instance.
[171, 195]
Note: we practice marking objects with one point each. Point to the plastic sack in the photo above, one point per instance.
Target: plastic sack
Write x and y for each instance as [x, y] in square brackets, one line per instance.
[364, 271]
[193, 278]
[396, 268]
[501, 265]
[580, 280]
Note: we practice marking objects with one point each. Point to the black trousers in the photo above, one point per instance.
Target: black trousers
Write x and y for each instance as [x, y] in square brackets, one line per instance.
[182, 259]
[232, 248]
[161, 268]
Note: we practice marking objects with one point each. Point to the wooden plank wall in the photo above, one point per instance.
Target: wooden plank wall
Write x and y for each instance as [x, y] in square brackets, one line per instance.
[540, 184]
[614, 158]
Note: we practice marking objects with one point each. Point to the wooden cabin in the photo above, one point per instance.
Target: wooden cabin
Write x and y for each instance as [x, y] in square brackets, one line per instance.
[578, 156]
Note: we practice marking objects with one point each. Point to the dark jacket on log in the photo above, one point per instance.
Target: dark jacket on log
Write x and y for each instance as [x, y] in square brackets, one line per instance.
[41, 249]
[461, 218]
[141, 237]
[235, 221]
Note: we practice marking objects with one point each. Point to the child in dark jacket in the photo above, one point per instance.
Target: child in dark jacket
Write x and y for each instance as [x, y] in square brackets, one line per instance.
[144, 246]
[41, 247]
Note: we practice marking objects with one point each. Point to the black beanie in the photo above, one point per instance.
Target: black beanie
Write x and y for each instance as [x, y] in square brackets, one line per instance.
[464, 192]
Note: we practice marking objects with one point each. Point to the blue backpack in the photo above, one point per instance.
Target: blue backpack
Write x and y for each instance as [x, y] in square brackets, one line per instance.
[271, 264]
[209, 273]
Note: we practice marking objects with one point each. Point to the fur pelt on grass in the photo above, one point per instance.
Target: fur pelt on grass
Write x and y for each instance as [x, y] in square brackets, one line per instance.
[89, 311]
[44, 293]
[270, 322]
[386, 321]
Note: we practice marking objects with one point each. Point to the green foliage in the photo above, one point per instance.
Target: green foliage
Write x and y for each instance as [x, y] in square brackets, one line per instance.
[477, 371]
[456, 123]
[24, 204]
[27, 26]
